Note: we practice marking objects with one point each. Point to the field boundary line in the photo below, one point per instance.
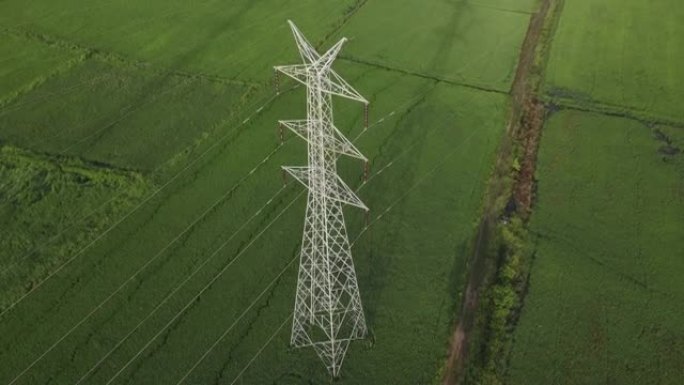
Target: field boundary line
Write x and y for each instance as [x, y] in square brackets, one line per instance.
[605, 109]
[495, 8]
[387, 67]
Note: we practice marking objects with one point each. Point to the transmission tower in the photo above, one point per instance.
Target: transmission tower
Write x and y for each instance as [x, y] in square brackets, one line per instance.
[328, 314]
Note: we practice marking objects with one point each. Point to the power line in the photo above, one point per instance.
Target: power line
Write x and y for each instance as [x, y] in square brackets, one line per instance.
[205, 288]
[132, 211]
[179, 286]
[140, 270]
[258, 353]
[387, 210]
[187, 279]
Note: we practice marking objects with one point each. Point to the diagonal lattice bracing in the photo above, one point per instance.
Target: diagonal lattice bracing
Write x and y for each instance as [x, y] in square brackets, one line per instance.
[328, 313]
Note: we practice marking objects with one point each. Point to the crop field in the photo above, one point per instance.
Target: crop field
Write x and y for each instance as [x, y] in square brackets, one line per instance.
[25, 63]
[620, 54]
[147, 235]
[607, 225]
[446, 36]
[606, 276]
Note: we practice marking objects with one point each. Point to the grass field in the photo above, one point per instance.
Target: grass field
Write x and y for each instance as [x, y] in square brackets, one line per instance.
[606, 277]
[620, 54]
[174, 108]
[116, 113]
[238, 40]
[47, 201]
[388, 272]
[607, 224]
[440, 39]
[23, 65]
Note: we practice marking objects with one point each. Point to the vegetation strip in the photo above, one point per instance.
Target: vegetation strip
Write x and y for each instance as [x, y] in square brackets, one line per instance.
[498, 274]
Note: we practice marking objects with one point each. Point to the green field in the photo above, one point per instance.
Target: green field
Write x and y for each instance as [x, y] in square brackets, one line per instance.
[43, 197]
[242, 39]
[155, 224]
[607, 224]
[115, 113]
[604, 289]
[25, 64]
[440, 39]
[147, 237]
[621, 55]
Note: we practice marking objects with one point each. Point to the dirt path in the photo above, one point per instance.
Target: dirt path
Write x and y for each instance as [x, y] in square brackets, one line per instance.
[524, 126]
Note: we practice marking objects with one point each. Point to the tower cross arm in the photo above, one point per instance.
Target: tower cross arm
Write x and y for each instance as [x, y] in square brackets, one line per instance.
[297, 72]
[326, 60]
[299, 127]
[337, 141]
[342, 145]
[335, 188]
[335, 85]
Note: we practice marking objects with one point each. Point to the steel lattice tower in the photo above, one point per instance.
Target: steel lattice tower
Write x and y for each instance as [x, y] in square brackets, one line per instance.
[328, 314]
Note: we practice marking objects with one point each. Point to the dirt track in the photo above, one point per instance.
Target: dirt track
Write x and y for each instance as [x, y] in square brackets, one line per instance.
[524, 125]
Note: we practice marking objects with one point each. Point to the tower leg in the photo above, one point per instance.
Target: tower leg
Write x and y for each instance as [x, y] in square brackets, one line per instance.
[328, 313]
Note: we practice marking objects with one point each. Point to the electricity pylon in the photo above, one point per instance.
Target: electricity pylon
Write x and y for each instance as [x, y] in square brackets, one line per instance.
[328, 314]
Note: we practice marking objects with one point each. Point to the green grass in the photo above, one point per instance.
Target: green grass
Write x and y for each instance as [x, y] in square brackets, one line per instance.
[606, 277]
[394, 261]
[408, 278]
[119, 114]
[443, 39]
[24, 65]
[622, 54]
[241, 39]
[40, 198]
[165, 93]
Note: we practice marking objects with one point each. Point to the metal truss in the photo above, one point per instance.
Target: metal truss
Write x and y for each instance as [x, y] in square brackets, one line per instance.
[328, 313]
